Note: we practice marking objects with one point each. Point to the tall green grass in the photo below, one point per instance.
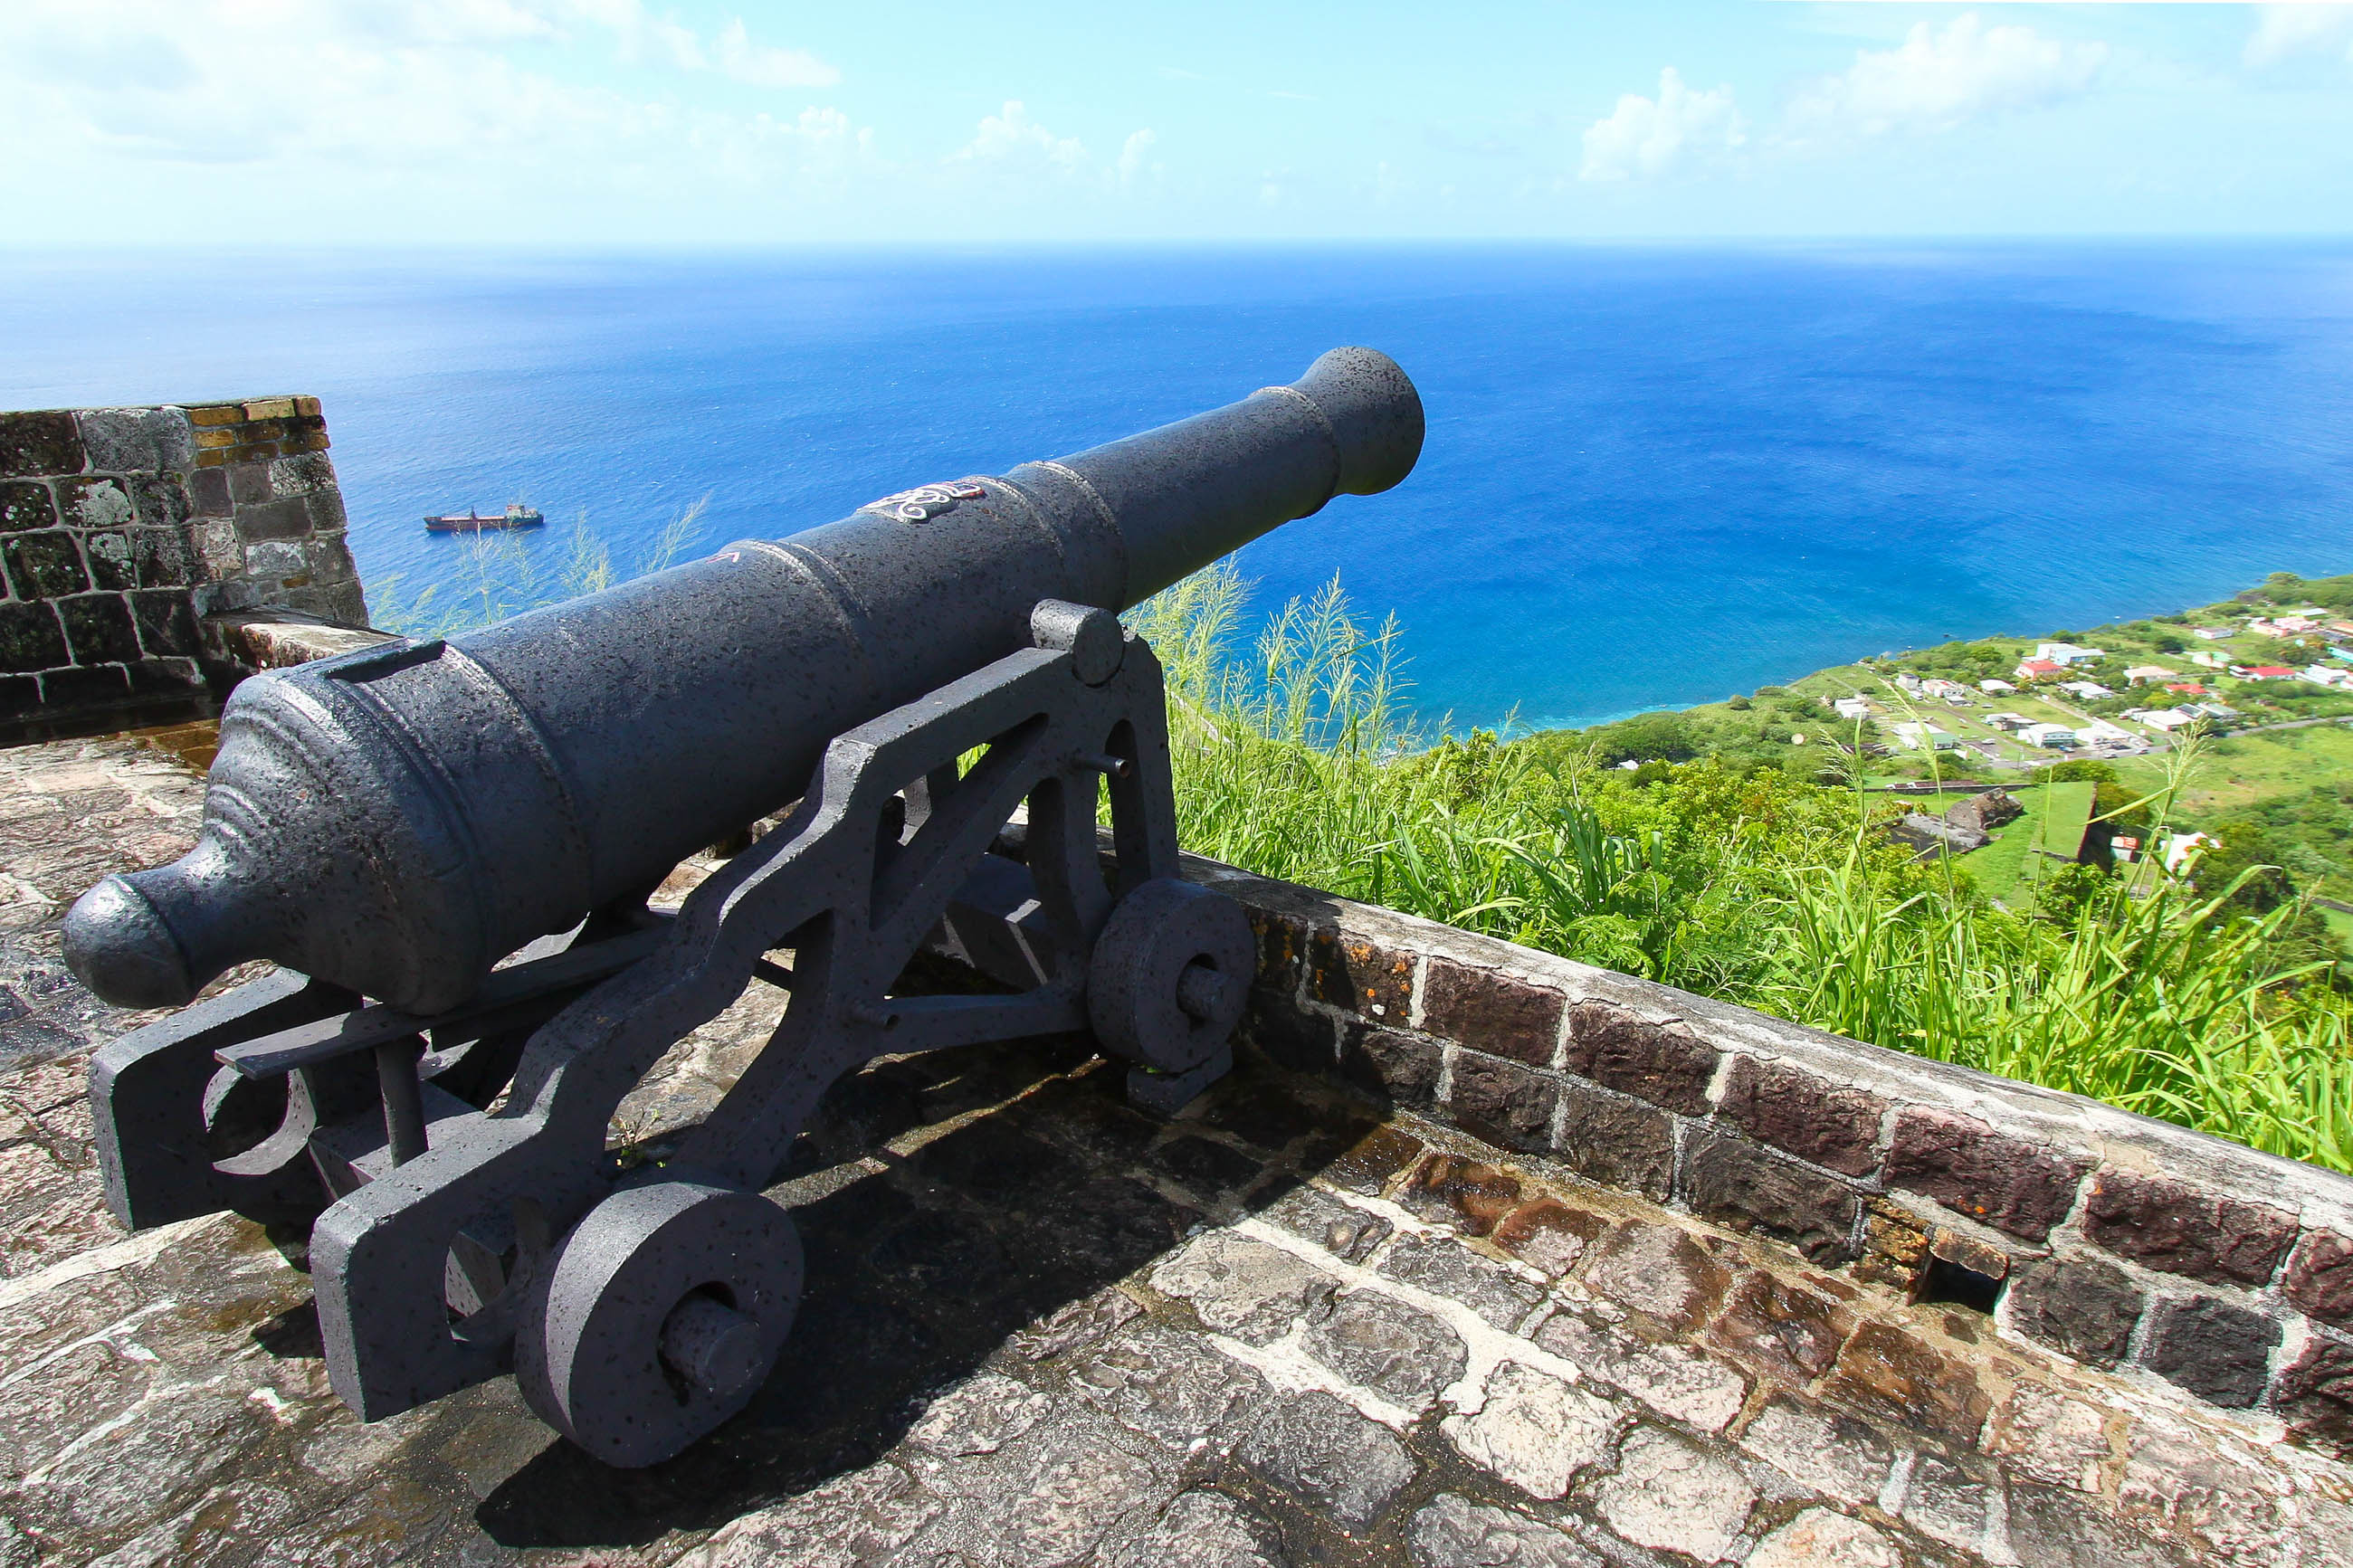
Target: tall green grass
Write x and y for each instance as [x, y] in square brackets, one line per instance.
[1294, 758]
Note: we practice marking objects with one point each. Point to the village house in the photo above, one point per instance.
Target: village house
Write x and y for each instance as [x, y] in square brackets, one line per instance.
[2210, 633]
[1950, 690]
[2266, 672]
[2006, 720]
[1852, 707]
[2139, 674]
[2283, 626]
[2326, 675]
[2089, 691]
[2063, 653]
[1999, 688]
[1925, 737]
[2038, 669]
[2186, 688]
[2164, 720]
[2210, 660]
[2055, 737]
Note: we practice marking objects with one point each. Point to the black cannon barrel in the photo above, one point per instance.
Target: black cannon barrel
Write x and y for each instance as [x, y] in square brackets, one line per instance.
[397, 820]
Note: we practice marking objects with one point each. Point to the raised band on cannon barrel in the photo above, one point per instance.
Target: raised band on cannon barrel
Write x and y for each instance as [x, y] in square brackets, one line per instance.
[389, 826]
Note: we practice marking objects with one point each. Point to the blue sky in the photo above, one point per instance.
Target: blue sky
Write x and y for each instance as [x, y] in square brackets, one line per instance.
[632, 122]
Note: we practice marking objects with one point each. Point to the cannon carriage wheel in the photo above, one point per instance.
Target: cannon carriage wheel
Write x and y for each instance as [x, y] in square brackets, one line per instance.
[661, 1317]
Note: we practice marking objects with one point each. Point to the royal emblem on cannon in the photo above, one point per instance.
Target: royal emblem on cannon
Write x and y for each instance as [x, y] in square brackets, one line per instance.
[446, 848]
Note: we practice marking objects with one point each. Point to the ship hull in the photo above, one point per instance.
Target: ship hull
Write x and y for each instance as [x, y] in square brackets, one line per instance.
[480, 524]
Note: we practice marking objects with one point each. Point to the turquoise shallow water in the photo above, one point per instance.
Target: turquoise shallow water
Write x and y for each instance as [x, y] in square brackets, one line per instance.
[1653, 476]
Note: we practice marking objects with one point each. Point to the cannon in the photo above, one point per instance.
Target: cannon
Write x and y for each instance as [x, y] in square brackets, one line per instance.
[448, 850]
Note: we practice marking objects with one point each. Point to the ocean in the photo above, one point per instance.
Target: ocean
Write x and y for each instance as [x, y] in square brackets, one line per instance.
[1654, 477]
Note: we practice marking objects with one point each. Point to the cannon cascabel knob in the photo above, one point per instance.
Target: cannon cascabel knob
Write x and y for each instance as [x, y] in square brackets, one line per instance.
[156, 938]
[117, 945]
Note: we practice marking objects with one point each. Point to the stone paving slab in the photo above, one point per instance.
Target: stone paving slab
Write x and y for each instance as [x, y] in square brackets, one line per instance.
[1044, 1329]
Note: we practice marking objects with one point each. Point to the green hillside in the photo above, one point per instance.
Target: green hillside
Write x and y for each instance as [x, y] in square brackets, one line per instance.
[2285, 793]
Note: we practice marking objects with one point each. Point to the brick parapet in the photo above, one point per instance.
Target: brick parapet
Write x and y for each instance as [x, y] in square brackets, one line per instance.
[123, 529]
[2112, 1238]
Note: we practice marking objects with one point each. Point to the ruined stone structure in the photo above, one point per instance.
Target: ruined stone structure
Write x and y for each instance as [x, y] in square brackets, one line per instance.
[1481, 1256]
[125, 533]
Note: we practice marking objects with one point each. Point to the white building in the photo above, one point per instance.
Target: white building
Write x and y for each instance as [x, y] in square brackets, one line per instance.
[1927, 737]
[1999, 688]
[1950, 690]
[2210, 633]
[2166, 719]
[2100, 732]
[2089, 691]
[2140, 673]
[2057, 737]
[2006, 720]
[1852, 707]
[2068, 653]
[2205, 660]
[1910, 683]
[2323, 674]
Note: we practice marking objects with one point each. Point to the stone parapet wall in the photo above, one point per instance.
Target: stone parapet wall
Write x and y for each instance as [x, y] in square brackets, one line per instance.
[123, 529]
[2192, 1264]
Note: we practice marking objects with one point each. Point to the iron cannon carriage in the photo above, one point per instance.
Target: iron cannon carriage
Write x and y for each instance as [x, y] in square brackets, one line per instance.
[447, 847]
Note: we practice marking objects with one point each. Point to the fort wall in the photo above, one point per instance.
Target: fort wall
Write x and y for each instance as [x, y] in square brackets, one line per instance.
[128, 534]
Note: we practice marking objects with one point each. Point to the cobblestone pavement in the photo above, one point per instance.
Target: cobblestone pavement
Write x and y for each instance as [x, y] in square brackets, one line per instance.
[1042, 1328]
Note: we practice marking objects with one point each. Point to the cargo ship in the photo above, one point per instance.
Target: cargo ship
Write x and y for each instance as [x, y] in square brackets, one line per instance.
[516, 515]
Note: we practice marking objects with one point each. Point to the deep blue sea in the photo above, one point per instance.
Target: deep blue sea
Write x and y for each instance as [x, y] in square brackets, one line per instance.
[1653, 476]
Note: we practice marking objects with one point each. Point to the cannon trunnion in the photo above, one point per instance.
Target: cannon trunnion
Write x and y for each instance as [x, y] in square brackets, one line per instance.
[446, 1121]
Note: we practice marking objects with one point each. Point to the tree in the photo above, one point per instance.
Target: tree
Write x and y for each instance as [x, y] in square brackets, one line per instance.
[2245, 848]
[1649, 737]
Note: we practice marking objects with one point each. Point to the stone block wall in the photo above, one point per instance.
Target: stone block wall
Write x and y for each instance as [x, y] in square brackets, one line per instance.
[124, 530]
[2196, 1266]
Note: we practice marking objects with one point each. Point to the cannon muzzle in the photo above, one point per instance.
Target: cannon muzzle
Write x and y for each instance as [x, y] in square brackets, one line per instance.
[395, 821]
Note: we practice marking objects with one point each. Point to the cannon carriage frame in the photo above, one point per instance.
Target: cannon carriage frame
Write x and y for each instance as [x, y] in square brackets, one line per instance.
[469, 1219]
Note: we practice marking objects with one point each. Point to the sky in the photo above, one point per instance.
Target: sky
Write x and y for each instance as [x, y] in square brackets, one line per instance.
[629, 123]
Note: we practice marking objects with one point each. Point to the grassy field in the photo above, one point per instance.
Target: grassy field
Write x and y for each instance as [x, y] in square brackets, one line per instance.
[2247, 769]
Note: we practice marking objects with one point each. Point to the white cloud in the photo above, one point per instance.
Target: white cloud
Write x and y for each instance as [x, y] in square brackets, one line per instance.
[1010, 153]
[1013, 139]
[643, 38]
[294, 89]
[1648, 139]
[2285, 31]
[757, 65]
[1935, 81]
[1132, 155]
